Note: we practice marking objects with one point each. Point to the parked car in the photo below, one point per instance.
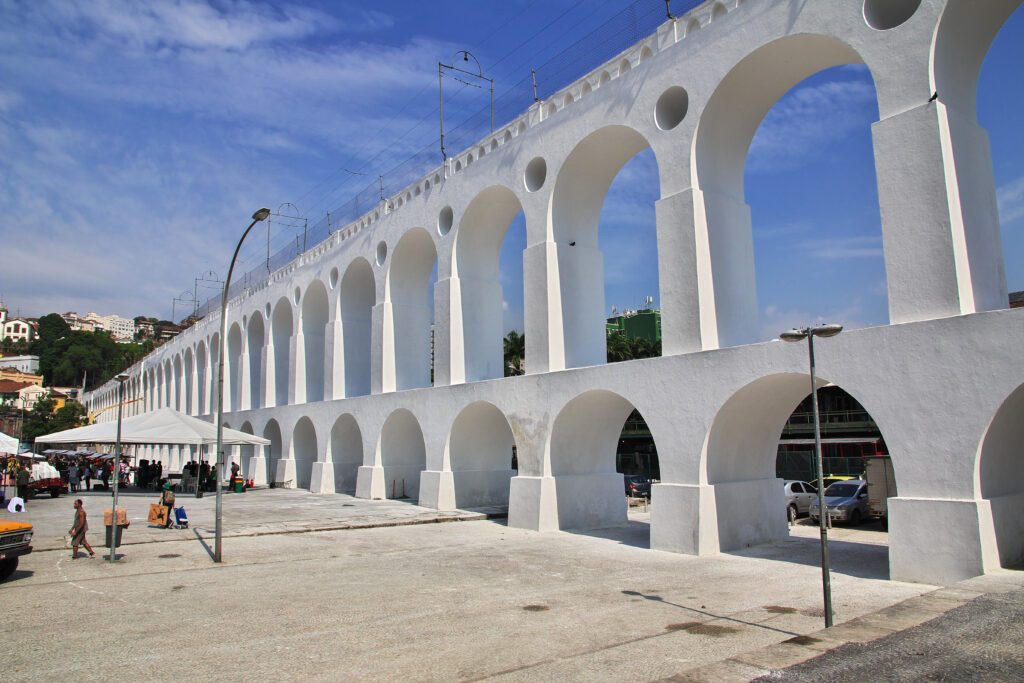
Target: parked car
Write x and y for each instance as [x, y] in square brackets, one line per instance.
[15, 540]
[637, 486]
[847, 501]
[799, 496]
[832, 479]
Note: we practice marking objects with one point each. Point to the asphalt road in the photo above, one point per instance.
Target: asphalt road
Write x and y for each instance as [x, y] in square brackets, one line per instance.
[980, 641]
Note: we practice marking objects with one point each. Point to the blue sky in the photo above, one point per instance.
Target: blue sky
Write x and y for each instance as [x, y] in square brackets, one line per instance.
[139, 137]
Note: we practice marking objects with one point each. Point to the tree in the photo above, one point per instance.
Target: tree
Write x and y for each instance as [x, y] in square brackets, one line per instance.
[515, 354]
[43, 419]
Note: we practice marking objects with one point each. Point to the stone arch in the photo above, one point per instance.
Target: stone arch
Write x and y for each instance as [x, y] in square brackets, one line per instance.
[315, 311]
[234, 363]
[410, 294]
[346, 452]
[202, 378]
[303, 450]
[999, 481]
[402, 454]
[272, 432]
[724, 132]
[358, 296]
[581, 456]
[255, 344]
[718, 11]
[246, 453]
[477, 330]
[576, 204]
[281, 329]
[965, 32]
[479, 454]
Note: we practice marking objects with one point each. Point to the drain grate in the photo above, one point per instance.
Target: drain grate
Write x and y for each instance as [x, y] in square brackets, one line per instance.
[536, 608]
[168, 556]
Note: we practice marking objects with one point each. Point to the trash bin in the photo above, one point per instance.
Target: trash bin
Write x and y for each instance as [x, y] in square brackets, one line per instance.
[239, 486]
[117, 536]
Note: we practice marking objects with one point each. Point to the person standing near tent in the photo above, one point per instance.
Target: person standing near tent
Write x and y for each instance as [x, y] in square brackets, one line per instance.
[73, 477]
[22, 482]
[77, 531]
[87, 474]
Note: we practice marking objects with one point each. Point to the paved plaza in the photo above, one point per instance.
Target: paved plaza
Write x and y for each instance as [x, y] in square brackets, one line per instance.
[329, 588]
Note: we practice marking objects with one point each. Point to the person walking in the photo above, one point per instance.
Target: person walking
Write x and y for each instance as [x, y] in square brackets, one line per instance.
[78, 529]
[167, 500]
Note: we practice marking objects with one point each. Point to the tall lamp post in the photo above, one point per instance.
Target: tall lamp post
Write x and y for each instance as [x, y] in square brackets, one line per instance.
[795, 335]
[117, 465]
[256, 218]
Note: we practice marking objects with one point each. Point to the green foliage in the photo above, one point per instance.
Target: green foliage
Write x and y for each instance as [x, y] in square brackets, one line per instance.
[515, 354]
[66, 356]
[621, 347]
[44, 420]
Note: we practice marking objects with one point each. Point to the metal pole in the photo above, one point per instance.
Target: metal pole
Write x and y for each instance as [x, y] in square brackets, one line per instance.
[822, 509]
[117, 471]
[256, 218]
[440, 93]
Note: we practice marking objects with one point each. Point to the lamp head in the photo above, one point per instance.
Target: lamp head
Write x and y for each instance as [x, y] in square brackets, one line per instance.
[121, 378]
[261, 215]
[829, 330]
[794, 335]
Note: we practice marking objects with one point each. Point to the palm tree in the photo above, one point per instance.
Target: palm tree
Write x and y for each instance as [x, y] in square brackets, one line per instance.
[619, 347]
[515, 354]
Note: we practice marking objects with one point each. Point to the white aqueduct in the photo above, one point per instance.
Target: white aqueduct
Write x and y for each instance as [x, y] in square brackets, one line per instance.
[330, 357]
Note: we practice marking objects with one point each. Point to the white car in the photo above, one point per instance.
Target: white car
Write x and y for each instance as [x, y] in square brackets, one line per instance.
[799, 496]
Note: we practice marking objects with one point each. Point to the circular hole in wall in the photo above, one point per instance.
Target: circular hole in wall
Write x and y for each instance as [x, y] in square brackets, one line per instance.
[334, 277]
[536, 174]
[882, 15]
[671, 107]
[267, 309]
[382, 252]
[445, 220]
[296, 295]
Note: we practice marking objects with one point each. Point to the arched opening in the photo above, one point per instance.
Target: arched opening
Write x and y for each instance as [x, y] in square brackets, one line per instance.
[246, 453]
[480, 452]
[358, 293]
[272, 432]
[202, 381]
[281, 333]
[482, 315]
[724, 156]
[410, 291]
[402, 455]
[255, 336]
[303, 451]
[583, 453]
[1000, 463]
[742, 463]
[178, 395]
[314, 326]
[583, 206]
[233, 401]
[346, 453]
[998, 105]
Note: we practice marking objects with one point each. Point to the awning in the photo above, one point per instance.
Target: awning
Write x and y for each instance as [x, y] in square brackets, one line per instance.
[162, 426]
[8, 444]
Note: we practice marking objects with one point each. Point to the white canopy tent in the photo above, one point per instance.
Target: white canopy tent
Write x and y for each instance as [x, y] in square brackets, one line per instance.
[8, 444]
[162, 426]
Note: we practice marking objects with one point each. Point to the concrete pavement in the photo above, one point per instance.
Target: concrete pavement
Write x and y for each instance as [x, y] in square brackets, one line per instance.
[468, 601]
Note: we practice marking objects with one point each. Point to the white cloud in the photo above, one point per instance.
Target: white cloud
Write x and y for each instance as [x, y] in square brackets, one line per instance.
[809, 119]
[1010, 198]
[842, 247]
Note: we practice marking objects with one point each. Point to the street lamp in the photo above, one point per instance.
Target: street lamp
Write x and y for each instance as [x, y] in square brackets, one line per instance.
[795, 335]
[256, 218]
[121, 379]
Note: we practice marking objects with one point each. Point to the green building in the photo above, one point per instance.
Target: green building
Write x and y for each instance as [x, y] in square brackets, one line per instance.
[645, 324]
